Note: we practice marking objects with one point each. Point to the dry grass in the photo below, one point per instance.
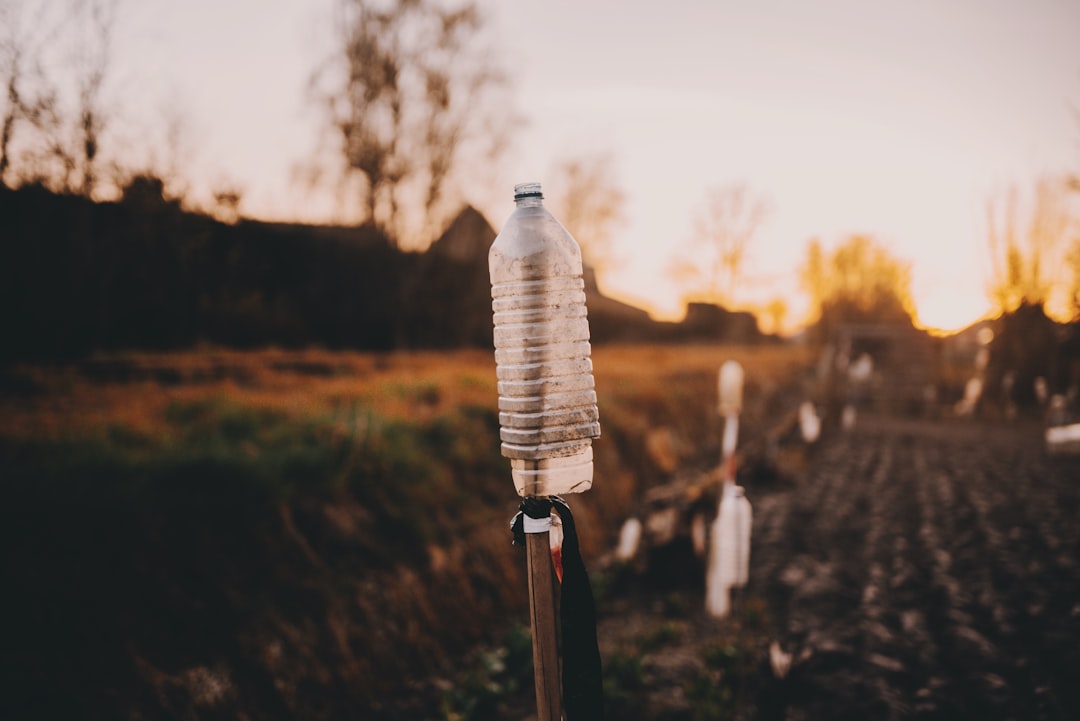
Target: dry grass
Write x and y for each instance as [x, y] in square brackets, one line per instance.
[71, 401]
[266, 407]
[345, 504]
[64, 402]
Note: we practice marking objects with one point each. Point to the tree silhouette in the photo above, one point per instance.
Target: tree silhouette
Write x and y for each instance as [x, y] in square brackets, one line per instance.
[93, 63]
[589, 202]
[776, 310]
[406, 94]
[1027, 253]
[860, 281]
[25, 92]
[1072, 258]
[724, 228]
[48, 137]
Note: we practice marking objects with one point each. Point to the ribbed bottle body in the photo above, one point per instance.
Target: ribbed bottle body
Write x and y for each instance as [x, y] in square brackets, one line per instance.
[547, 402]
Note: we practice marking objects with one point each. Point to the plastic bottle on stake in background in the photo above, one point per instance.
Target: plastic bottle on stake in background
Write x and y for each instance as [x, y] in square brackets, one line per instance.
[728, 563]
[730, 388]
[730, 393]
[547, 402]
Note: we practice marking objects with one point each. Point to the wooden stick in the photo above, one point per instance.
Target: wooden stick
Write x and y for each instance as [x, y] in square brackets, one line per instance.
[543, 617]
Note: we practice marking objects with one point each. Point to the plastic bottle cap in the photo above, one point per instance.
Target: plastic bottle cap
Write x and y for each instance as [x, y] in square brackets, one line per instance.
[527, 190]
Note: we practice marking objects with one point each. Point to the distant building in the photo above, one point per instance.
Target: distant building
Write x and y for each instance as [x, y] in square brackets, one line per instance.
[447, 301]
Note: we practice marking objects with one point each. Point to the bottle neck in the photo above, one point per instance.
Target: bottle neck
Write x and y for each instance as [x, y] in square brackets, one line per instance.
[528, 195]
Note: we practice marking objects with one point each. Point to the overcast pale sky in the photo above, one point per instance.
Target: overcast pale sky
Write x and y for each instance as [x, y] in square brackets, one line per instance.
[896, 119]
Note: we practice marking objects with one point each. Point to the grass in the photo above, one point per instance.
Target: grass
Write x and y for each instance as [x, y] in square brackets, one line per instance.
[393, 428]
[494, 675]
[348, 509]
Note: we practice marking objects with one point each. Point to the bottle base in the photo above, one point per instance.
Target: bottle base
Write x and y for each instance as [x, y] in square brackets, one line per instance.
[553, 476]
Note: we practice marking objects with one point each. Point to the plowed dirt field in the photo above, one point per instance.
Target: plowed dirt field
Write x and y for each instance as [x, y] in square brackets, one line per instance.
[925, 570]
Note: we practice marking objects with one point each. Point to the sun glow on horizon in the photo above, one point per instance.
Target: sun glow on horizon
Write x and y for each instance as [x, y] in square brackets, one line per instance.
[940, 311]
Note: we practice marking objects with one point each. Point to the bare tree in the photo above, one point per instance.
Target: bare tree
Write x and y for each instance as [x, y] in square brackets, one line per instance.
[407, 92]
[1072, 260]
[44, 139]
[589, 202]
[26, 96]
[175, 151]
[1026, 253]
[227, 196]
[93, 64]
[724, 228]
[860, 280]
[11, 67]
[776, 310]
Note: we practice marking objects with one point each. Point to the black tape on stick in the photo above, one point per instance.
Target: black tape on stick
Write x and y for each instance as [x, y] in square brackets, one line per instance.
[582, 672]
[583, 682]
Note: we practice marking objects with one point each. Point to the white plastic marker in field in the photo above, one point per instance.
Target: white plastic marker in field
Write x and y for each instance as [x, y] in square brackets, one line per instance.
[848, 416]
[1063, 439]
[810, 423]
[548, 418]
[629, 540]
[729, 544]
[730, 392]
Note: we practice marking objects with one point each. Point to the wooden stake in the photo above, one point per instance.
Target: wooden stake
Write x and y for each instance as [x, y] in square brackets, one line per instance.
[543, 617]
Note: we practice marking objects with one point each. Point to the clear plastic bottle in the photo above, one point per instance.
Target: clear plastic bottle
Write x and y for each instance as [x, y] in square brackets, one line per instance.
[547, 402]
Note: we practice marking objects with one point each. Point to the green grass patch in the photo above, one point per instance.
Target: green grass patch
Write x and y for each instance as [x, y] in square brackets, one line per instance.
[494, 677]
[624, 684]
[659, 636]
[214, 451]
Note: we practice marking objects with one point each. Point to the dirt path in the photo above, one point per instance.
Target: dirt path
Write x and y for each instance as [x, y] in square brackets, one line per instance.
[918, 570]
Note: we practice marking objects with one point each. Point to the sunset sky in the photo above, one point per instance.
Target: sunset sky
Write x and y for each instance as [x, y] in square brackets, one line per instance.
[894, 119]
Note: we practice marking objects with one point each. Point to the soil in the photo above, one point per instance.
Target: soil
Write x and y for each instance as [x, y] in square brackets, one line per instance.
[916, 569]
